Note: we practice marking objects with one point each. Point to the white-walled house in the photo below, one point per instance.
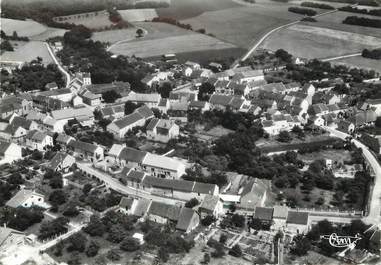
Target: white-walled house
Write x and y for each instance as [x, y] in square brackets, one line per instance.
[161, 130]
[162, 166]
[27, 198]
[9, 152]
[38, 140]
[87, 150]
[211, 205]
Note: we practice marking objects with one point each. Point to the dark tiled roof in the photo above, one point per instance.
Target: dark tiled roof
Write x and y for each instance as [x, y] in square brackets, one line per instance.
[186, 216]
[152, 124]
[168, 211]
[299, 218]
[4, 147]
[204, 188]
[264, 213]
[132, 155]
[83, 146]
[174, 184]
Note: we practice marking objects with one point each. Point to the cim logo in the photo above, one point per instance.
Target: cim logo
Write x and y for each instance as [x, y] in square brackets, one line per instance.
[342, 241]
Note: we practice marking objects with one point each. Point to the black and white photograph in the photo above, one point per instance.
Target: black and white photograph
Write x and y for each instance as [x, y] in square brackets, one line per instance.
[190, 132]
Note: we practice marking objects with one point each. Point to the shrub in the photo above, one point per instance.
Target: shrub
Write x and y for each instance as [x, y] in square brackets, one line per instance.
[129, 244]
[302, 11]
[317, 5]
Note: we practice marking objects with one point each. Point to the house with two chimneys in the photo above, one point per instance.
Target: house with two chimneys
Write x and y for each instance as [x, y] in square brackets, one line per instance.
[161, 130]
[121, 126]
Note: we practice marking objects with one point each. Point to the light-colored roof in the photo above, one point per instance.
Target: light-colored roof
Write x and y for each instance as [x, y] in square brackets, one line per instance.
[209, 203]
[20, 197]
[164, 162]
[280, 212]
[71, 113]
[138, 97]
[185, 218]
[115, 150]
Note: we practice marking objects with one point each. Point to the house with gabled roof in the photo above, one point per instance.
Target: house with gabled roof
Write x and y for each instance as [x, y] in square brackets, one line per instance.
[162, 166]
[121, 126]
[211, 205]
[188, 220]
[223, 102]
[90, 98]
[163, 213]
[253, 193]
[9, 152]
[264, 214]
[61, 162]
[297, 222]
[161, 130]
[38, 140]
[199, 105]
[63, 140]
[151, 100]
[131, 177]
[89, 151]
[278, 88]
[130, 157]
[27, 198]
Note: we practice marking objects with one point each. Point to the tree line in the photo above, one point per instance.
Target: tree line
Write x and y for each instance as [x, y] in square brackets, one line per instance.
[372, 12]
[362, 21]
[302, 11]
[317, 5]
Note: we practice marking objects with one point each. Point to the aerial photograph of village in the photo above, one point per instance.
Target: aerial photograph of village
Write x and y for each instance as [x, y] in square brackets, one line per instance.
[190, 132]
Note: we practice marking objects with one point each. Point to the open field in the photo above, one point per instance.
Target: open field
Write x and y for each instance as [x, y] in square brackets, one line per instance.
[334, 21]
[92, 22]
[157, 30]
[183, 9]
[29, 28]
[175, 44]
[133, 15]
[243, 25]
[28, 51]
[308, 41]
[360, 62]
[113, 36]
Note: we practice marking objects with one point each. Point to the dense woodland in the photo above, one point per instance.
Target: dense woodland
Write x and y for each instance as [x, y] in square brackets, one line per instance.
[84, 54]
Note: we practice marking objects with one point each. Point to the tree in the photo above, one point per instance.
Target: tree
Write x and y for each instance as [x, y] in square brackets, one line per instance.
[302, 245]
[116, 234]
[110, 96]
[235, 251]
[223, 238]
[139, 32]
[238, 220]
[22, 218]
[6, 46]
[70, 210]
[57, 197]
[56, 182]
[77, 242]
[92, 249]
[53, 228]
[283, 55]
[208, 220]
[15, 179]
[192, 203]
[95, 226]
[129, 244]
[165, 89]
[284, 137]
[130, 107]
[205, 90]
[86, 188]
[14, 35]
[37, 155]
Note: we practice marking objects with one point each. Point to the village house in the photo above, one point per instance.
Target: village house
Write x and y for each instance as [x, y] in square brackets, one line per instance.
[27, 199]
[63, 94]
[119, 87]
[61, 162]
[346, 126]
[376, 104]
[163, 213]
[89, 151]
[248, 76]
[90, 98]
[120, 127]
[188, 220]
[9, 152]
[297, 222]
[178, 188]
[84, 114]
[277, 88]
[162, 166]
[131, 178]
[164, 105]
[130, 157]
[63, 140]
[279, 217]
[223, 102]
[161, 130]
[264, 215]
[253, 194]
[52, 125]
[211, 205]
[51, 86]
[47, 104]
[292, 87]
[114, 111]
[199, 105]
[20, 105]
[38, 140]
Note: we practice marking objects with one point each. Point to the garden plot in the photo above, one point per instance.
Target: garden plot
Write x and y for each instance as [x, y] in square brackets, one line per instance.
[28, 51]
